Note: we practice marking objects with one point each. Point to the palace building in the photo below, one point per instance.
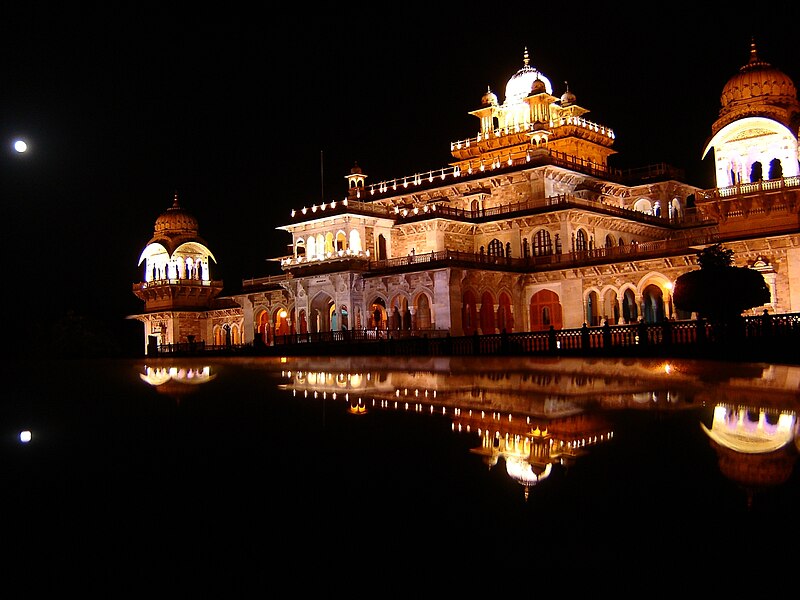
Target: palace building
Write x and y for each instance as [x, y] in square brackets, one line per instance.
[528, 227]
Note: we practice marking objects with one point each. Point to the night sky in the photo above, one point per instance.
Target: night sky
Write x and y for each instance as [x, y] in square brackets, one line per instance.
[247, 115]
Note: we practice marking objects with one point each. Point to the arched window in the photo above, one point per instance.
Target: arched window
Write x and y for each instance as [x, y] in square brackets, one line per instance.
[542, 244]
[495, 248]
[580, 241]
[341, 241]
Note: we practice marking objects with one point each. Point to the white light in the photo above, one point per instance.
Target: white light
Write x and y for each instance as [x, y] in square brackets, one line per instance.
[25, 436]
[20, 146]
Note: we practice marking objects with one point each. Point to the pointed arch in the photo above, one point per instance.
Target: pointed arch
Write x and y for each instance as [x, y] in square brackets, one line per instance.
[320, 313]
[377, 315]
[592, 304]
[487, 322]
[505, 315]
[545, 310]
[422, 306]
[469, 312]
[355, 241]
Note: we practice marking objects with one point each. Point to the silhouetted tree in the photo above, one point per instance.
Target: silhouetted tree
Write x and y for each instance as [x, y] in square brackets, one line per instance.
[719, 291]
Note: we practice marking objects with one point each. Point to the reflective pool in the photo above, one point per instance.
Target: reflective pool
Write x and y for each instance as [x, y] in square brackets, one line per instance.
[332, 462]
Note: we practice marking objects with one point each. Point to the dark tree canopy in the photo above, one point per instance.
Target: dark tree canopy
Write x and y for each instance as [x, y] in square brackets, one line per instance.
[719, 291]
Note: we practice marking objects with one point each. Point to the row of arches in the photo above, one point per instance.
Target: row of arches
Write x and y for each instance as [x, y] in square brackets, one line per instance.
[323, 314]
[737, 170]
[488, 314]
[485, 313]
[321, 245]
[543, 243]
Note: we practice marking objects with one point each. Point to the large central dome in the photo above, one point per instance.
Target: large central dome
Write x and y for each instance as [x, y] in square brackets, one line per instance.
[521, 83]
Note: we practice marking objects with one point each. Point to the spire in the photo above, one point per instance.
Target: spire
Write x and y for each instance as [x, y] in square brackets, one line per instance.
[175, 200]
[525, 58]
[753, 53]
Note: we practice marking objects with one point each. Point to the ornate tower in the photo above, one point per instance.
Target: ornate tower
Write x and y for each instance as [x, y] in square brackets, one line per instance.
[755, 136]
[177, 288]
[530, 120]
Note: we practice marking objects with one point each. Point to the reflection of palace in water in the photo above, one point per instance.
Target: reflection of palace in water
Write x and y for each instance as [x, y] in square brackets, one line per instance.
[176, 380]
[537, 414]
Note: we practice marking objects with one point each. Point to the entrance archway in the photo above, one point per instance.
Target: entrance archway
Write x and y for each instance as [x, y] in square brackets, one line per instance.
[545, 310]
[321, 313]
[653, 304]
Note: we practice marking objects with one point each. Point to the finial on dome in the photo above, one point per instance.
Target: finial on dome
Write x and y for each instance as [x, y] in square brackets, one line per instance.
[753, 52]
[525, 58]
[175, 200]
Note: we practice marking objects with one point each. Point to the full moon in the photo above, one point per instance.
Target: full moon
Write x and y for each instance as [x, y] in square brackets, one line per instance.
[20, 146]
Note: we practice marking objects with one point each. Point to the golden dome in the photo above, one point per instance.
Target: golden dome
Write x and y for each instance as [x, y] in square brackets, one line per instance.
[176, 220]
[758, 83]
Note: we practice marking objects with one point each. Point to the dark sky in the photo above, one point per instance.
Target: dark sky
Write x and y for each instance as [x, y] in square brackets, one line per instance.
[250, 114]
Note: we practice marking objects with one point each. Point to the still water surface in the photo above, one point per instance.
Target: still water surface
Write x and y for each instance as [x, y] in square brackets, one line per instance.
[337, 462]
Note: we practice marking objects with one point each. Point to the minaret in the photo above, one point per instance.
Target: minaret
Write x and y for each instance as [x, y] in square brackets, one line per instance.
[177, 287]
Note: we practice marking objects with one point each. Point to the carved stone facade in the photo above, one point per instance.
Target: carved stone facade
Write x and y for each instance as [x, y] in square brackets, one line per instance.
[529, 227]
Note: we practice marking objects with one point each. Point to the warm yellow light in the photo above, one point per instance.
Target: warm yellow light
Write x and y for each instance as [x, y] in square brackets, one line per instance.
[282, 314]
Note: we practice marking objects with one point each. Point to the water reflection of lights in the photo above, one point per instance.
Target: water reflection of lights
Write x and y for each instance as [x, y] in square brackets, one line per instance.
[515, 424]
[752, 430]
[189, 375]
[537, 417]
[756, 447]
[176, 381]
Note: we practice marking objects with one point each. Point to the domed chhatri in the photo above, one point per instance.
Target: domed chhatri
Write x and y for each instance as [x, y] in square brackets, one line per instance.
[176, 278]
[755, 135]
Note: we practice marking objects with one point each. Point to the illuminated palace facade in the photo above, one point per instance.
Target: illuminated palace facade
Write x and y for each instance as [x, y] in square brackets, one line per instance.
[527, 227]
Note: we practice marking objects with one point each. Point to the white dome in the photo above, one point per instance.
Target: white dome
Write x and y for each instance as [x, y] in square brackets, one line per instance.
[521, 83]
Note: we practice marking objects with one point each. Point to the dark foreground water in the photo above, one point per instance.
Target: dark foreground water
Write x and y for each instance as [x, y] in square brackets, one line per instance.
[342, 473]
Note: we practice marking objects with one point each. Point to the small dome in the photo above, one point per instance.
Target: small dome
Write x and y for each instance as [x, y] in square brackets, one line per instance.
[567, 97]
[757, 82]
[176, 220]
[522, 82]
[489, 98]
[538, 85]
